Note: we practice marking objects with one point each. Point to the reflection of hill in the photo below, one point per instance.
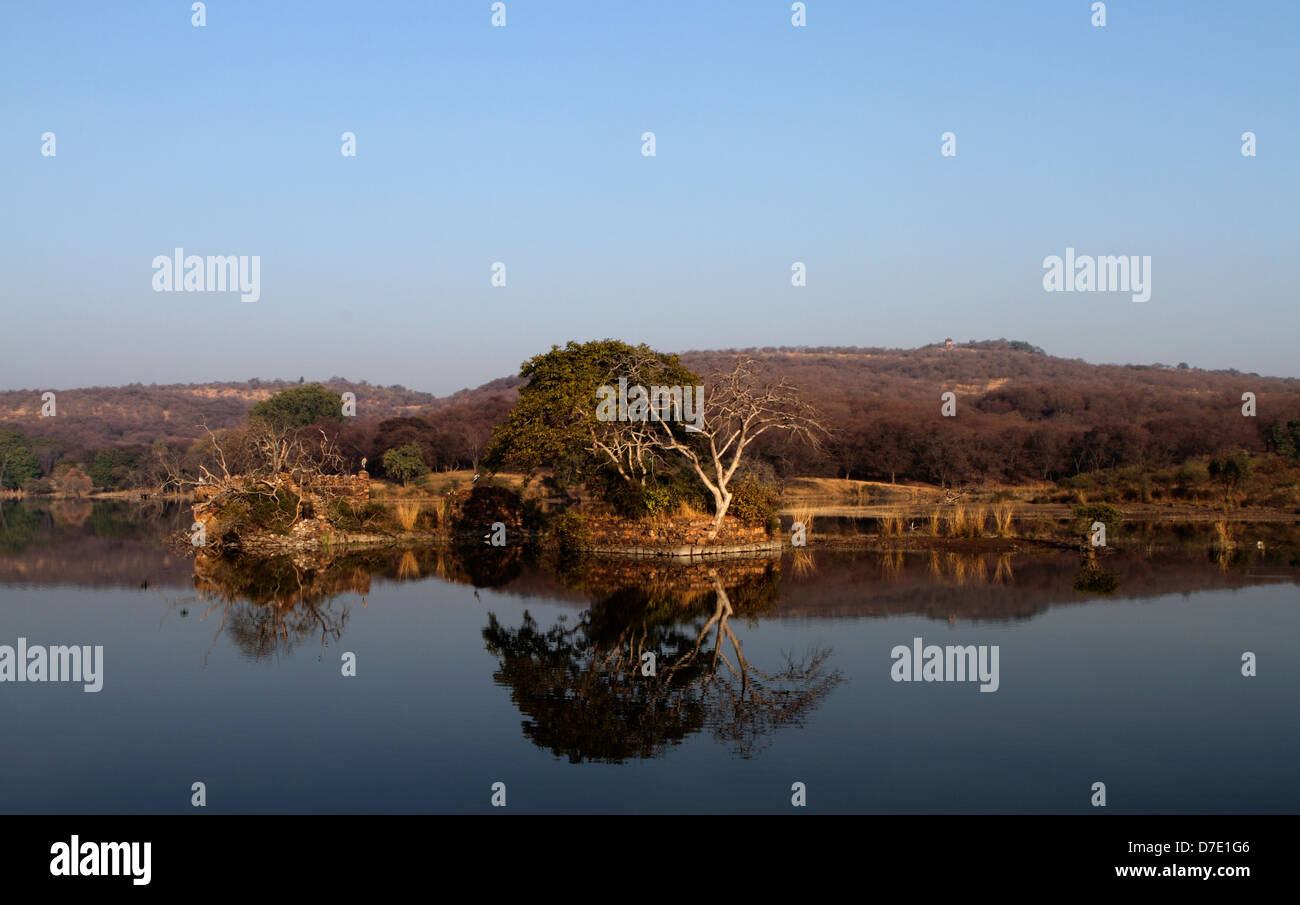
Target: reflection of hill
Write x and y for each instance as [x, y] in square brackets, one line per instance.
[111, 544]
[81, 543]
[945, 585]
[91, 562]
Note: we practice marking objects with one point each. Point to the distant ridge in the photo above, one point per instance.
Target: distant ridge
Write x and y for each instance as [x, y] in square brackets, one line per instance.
[1020, 411]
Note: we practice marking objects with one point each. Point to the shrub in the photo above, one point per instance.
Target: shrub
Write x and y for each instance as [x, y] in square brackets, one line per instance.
[350, 516]
[253, 513]
[569, 530]
[753, 501]
[273, 513]
[37, 486]
[662, 495]
[1105, 513]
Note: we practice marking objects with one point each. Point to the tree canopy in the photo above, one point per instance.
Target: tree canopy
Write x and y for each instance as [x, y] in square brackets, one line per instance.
[405, 462]
[298, 407]
[17, 462]
[555, 418]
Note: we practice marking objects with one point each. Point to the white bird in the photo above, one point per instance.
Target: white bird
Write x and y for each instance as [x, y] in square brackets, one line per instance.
[475, 479]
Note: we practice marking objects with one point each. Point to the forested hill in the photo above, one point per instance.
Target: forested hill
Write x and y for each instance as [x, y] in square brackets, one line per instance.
[1020, 413]
[94, 417]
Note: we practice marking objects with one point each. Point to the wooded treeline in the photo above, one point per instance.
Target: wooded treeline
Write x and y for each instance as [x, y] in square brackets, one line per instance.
[1020, 415]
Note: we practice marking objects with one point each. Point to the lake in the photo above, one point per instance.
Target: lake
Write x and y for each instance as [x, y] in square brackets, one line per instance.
[490, 665]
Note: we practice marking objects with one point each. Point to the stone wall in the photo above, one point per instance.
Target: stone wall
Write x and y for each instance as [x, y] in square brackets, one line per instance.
[315, 491]
[679, 537]
[352, 487]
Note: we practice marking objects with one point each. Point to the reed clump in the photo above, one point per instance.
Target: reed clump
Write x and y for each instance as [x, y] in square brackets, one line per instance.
[891, 525]
[803, 515]
[406, 513]
[1002, 514]
[964, 522]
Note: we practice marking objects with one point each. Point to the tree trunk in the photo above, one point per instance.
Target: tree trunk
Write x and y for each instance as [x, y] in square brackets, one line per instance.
[721, 502]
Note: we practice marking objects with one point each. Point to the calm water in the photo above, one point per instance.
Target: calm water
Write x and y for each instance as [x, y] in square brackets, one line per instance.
[494, 666]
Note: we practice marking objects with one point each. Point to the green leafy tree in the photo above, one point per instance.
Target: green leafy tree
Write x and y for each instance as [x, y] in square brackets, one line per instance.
[47, 451]
[554, 422]
[112, 468]
[1286, 440]
[1231, 472]
[404, 463]
[558, 415]
[17, 463]
[298, 407]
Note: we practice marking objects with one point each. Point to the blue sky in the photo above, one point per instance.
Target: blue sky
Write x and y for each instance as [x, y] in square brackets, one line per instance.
[522, 144]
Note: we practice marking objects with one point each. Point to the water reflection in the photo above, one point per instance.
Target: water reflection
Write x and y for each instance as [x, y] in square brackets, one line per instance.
[271, 609]
[643, 668]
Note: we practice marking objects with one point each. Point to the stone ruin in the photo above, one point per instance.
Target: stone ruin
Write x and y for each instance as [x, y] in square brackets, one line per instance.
[316, 491]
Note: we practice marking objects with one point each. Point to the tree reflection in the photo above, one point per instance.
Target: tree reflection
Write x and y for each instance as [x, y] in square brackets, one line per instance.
[272, 607]
[584, 696]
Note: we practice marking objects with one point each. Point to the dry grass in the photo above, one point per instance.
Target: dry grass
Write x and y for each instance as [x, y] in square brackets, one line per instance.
[891, 525]
[1002, 513]
[804, 514]
[440, 483]
[406, 512]
[936, 522]
[963, 522]
[687, 509]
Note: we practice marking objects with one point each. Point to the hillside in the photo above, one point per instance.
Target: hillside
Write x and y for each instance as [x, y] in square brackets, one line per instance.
[1021, 414]
[93, 417]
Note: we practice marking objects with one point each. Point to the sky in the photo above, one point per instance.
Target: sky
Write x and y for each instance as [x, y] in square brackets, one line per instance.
[522, 144]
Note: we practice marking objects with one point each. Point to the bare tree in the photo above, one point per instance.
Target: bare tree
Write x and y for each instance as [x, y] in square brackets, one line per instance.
[738, 407]
[260, 459]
